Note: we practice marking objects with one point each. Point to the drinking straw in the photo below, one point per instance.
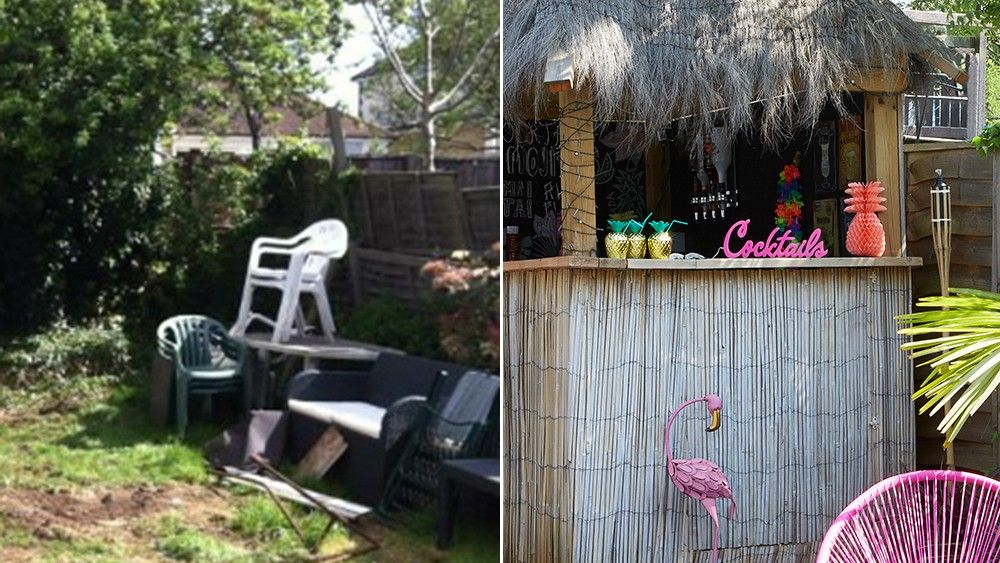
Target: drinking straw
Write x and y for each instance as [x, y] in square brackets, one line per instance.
[671, 224]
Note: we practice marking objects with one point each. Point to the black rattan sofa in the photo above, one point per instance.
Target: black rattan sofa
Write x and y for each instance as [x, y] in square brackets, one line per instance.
[374, 410]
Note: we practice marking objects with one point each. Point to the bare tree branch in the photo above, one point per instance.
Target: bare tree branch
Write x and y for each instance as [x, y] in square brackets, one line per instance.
[469, 71]
[427, 26]
[427, 17]
[454, 103]
[409, 85]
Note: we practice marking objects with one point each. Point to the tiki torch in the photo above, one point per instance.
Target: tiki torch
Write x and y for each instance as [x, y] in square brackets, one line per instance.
[941, 232]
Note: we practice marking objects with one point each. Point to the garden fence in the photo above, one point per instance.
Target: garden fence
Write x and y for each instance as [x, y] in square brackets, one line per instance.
[974, 257]
[469, 172]
[423, 213]
[400, 220]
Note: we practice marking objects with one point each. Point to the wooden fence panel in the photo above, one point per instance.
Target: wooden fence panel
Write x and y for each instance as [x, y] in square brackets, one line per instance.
[376, 273]
[970, 177]
[424, 213]
[469, 172]
[482, 214]
[473, 172]
[444, 217]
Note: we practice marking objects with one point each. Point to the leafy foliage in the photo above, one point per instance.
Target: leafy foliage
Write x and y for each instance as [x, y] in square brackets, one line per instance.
[960, 341]
[65, 352]
[215, 209]
[390, 323]
[989, 140]
[969, 15]
[87, 88]
[261, 50]
[469, 305]
[992, 88]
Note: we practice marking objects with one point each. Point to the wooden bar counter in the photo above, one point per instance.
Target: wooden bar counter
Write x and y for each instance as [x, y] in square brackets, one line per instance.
[803, 352]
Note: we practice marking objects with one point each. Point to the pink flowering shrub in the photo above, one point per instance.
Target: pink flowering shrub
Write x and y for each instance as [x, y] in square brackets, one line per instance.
[468, 301]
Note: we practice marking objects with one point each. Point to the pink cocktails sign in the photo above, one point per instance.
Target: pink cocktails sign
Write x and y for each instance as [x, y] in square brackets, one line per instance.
[776, 246]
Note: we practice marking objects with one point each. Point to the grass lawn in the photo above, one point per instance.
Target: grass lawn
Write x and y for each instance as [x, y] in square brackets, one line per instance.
[86, 476]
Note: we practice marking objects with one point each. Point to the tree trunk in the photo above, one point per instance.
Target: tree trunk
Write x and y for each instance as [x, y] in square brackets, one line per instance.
[254, 126]
[430, 144]
[338, 159]
[339, 164]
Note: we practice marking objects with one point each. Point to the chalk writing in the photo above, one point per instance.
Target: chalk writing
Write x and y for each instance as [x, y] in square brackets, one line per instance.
[531, 191]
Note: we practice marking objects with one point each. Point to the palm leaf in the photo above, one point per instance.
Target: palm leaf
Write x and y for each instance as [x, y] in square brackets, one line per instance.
[963, 350]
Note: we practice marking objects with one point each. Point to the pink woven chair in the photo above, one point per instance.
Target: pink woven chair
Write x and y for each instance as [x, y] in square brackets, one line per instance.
[919, 517]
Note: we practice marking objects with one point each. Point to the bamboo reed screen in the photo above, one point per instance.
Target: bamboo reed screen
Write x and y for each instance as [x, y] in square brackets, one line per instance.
[807, 362]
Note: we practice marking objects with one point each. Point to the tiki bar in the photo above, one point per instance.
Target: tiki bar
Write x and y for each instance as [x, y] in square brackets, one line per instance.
[703, 198]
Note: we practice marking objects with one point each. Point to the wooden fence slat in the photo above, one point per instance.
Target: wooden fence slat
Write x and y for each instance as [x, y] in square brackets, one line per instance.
[959, 162]
[925, 279]
[966, 250]
[964, 193]
[971, 221]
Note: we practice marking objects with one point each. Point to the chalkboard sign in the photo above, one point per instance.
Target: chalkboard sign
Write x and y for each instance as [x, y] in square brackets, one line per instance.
[531, 193]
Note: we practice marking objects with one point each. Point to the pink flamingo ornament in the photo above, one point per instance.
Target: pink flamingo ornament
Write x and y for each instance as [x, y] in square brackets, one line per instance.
[699, 478]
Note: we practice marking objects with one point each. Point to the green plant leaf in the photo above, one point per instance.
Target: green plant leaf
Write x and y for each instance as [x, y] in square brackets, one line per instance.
[963, 350]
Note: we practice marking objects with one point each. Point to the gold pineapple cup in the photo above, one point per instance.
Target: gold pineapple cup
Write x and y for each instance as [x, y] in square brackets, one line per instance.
[660, 245]
[616, 245]
[636, 245]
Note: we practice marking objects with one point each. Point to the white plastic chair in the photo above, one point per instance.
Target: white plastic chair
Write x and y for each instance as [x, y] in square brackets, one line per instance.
[309, 255]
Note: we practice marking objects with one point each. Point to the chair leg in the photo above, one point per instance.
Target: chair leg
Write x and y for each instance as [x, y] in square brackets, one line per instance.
[247, 393]
[325, 312]
[300, 320]
[286, 314]
[243, 318]
[447, 503]
[181, 402]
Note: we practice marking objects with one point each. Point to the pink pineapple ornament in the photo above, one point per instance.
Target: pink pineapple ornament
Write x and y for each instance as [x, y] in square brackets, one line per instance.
[699, 478]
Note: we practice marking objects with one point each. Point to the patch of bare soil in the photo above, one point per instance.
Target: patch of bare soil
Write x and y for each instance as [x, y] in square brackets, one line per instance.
[125, 516]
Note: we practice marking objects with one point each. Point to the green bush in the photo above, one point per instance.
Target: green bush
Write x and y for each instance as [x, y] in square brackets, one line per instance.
[391, 323]
[467, 306]
[216, 207]
[64, 352]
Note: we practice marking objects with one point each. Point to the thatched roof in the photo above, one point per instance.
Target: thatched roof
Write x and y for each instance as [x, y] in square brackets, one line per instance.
[769, 65]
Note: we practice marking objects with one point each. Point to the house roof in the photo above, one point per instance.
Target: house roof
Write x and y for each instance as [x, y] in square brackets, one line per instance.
[766, 65]
[373, 70]
[290, 122]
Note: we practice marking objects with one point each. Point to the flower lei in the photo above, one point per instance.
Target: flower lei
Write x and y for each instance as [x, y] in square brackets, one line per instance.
[788, 212]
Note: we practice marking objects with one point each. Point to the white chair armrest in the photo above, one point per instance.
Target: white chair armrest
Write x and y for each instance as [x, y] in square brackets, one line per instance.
[314, 248]
[275, 246]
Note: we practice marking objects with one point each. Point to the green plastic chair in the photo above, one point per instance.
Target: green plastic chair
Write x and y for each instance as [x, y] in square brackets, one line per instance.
[207, 361]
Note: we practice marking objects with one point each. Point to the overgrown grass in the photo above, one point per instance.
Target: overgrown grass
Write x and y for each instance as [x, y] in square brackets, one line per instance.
[109, 443]
[94, 433]
[182, 542]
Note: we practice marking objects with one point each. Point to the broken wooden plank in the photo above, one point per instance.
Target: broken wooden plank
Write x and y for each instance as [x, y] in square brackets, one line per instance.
[343, 508]
[322, 455]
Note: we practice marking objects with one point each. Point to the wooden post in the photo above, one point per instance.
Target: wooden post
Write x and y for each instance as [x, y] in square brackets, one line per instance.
[995, 276]
[995, 286]
[976, 89]
[576, 176]
[883, 152]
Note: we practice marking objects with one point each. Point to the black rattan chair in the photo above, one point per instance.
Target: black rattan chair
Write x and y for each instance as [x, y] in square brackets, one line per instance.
[454, 427]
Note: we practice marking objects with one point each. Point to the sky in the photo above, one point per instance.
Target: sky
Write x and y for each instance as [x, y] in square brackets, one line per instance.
[358, 51]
